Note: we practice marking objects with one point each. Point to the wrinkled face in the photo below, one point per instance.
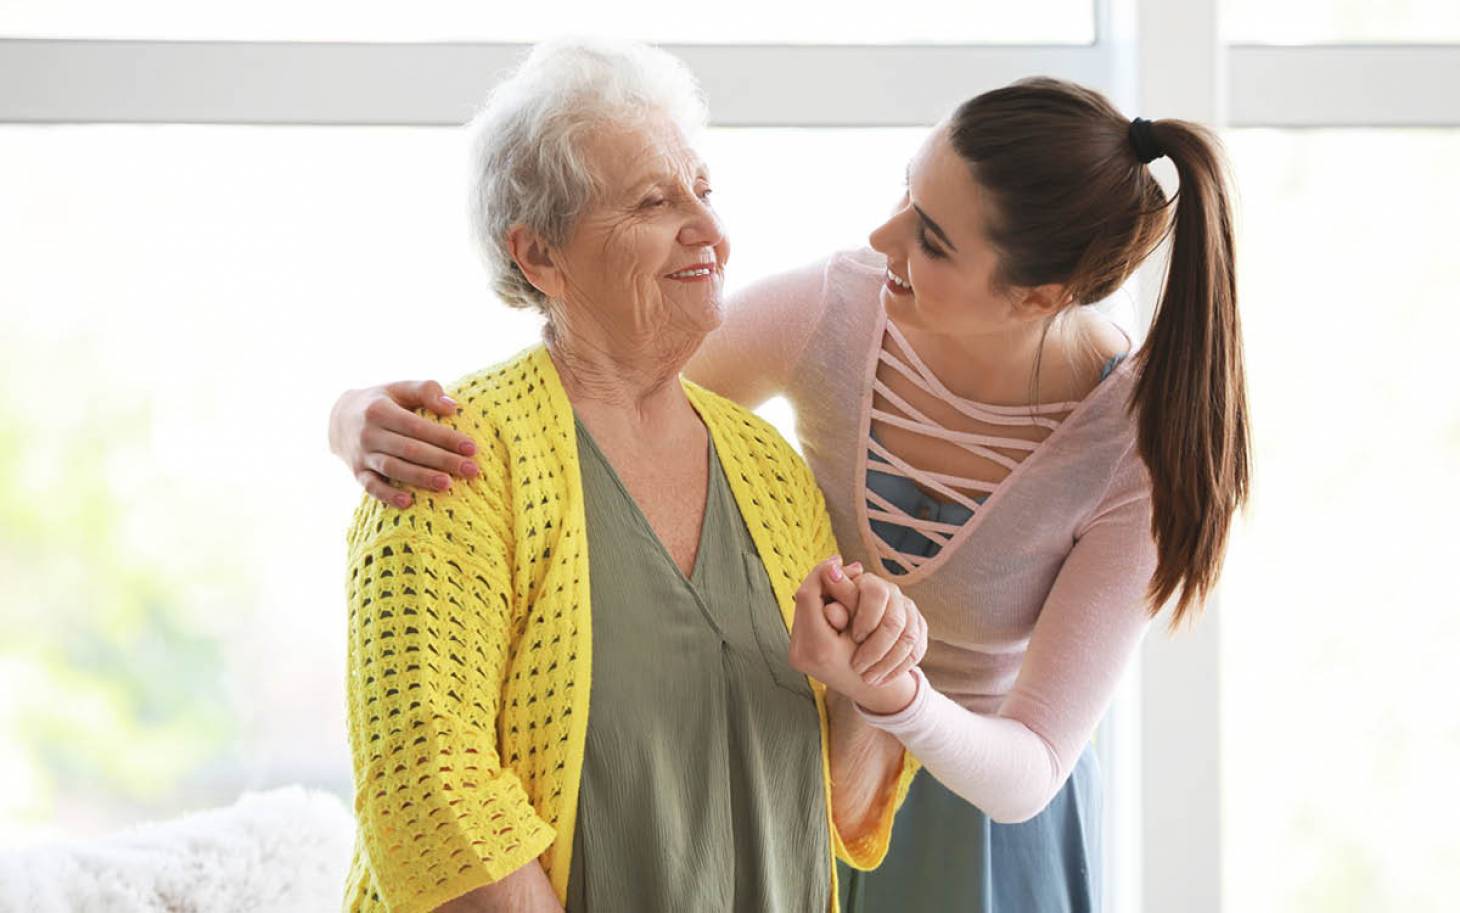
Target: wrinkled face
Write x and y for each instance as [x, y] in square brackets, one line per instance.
[941, 267]
[647, 258]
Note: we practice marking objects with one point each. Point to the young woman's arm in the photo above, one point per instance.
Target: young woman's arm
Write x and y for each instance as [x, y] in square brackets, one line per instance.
[753, 355]
[377, 433]
[750, 358]
[1011, 764]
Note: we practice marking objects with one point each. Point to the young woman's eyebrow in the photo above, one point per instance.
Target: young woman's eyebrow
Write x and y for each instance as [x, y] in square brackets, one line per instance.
[934, 227]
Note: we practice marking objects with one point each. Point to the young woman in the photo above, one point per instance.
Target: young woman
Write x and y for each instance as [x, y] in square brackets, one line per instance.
[1038, 488]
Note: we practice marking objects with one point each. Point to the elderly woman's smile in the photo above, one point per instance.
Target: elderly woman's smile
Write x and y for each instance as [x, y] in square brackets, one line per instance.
[701, 272]
[648, 254]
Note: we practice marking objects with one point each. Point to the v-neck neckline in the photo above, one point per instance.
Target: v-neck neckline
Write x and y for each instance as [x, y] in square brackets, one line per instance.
[870, 538]
[696, 576]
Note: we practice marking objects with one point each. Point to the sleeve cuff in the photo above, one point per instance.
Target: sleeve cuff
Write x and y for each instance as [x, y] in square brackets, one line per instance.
[909, 716]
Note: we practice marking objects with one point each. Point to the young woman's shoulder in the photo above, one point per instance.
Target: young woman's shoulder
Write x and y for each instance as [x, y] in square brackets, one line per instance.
[769, 324]
[1095, 345]
[1105, 335]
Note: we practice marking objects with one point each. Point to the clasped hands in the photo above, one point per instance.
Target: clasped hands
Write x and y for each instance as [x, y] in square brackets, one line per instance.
[858, 634]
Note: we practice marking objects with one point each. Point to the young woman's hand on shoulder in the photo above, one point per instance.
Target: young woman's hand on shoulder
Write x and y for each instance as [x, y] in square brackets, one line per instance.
[378, 435]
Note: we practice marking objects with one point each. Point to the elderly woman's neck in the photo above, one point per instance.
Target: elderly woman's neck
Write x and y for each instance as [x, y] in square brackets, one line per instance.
[639, 381]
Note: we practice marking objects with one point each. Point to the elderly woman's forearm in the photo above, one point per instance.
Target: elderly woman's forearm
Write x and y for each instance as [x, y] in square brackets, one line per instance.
[865, 766]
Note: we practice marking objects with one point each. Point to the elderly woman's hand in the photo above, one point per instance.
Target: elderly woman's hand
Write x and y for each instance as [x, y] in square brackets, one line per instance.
[823, 645]
[526, 890]
[891, 634]
[382, 441]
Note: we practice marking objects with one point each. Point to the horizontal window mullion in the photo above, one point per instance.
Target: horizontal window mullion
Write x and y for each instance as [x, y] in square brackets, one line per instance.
[441, 84]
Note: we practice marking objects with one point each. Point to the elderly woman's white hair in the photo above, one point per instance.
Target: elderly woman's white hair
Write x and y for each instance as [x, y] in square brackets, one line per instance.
[526, 164]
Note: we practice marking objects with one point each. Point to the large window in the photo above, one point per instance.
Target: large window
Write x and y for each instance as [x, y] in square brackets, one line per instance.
[1341, 728]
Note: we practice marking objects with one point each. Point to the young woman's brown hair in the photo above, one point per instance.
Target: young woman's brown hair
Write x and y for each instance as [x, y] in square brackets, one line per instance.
[1075, 204]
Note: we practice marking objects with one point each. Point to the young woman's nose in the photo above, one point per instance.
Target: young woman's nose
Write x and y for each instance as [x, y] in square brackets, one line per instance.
[885, 238]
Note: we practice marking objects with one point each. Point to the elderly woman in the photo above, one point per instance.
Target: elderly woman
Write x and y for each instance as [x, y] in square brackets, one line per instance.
[571, 684]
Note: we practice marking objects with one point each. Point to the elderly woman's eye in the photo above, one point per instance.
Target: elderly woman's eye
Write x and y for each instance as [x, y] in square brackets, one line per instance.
[653, 202]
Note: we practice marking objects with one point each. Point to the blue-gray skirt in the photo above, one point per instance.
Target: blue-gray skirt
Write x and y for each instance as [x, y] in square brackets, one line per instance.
[948, 857]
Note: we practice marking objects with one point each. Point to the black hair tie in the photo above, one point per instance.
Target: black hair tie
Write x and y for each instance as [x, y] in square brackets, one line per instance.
[1147, 149]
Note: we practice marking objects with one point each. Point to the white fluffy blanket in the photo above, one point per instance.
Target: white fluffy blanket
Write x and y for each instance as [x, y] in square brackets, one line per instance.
[284, 851]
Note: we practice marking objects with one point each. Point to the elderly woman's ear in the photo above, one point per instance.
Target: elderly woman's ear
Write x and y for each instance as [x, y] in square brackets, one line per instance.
[533, 256]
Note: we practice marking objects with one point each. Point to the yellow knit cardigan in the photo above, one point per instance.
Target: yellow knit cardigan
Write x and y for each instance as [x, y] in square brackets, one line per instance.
[470, 647]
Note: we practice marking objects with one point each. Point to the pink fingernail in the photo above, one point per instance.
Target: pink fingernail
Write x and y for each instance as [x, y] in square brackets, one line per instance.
[448, 401]
[402, 500]
[442, 483]
[467, 448]
[469, 469]
[836, 573]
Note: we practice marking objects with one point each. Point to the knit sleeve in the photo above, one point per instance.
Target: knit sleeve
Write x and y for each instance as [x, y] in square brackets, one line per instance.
[868, 850]
[754, 353]
[431, 628]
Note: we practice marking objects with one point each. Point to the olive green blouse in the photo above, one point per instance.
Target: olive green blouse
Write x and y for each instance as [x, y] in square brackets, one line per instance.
[702, 781]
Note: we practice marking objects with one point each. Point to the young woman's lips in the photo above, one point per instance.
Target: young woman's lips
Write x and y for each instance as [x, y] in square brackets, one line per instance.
[893, 285]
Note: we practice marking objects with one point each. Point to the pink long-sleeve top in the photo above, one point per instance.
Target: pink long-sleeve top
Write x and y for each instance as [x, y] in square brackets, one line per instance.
[1035, 604]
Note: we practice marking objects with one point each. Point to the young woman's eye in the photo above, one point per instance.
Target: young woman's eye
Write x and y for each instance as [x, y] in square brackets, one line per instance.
[927, 246]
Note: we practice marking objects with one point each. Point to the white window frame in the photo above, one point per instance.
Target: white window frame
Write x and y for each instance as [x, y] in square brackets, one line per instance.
[1161, 743]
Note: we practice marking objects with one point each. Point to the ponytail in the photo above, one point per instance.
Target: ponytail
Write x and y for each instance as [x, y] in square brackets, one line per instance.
[1190, 398]
[1074, 202]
